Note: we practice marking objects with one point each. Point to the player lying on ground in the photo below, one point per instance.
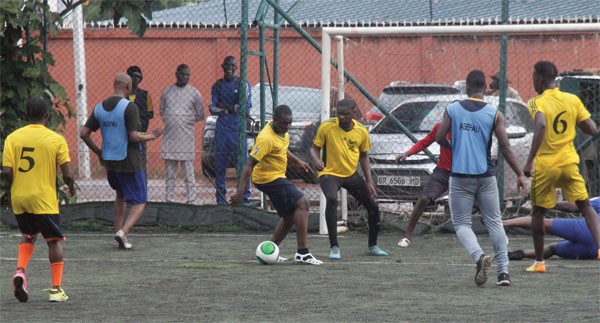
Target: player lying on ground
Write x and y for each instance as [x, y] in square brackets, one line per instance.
[579, 242]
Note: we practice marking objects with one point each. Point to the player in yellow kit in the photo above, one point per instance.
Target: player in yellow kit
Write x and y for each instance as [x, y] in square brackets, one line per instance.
[30, 160]
[267, 165]
[345, 143]
[553, 161]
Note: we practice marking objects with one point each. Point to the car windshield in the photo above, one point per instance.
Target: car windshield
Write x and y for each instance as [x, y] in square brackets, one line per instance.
[416, 116]
[304, 102]
[422, 117]
[394, 95]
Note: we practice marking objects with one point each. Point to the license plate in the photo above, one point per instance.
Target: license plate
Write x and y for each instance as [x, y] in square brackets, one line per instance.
[387, 180]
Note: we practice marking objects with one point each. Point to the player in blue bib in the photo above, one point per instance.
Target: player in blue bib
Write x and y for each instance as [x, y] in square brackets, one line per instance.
[579, 242]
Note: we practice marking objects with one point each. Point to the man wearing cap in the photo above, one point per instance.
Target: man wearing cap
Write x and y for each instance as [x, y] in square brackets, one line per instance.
[142, 100]
[511, 93]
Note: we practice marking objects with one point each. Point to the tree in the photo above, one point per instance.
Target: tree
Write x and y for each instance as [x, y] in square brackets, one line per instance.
[24, 58]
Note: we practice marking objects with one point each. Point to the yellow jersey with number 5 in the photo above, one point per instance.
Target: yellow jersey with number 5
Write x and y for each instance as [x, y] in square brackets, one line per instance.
[562, 111]
[34, 152]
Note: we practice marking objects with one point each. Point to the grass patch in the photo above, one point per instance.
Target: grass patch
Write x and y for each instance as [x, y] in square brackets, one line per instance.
[208, 265]
[91, 225]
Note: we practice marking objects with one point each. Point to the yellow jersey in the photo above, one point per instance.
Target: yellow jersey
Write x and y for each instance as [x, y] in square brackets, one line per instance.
[270, 152]
[562, 112]
[340, 148]
[34, 152]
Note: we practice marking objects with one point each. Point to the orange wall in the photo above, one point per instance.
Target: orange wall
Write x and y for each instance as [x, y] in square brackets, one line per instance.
[373, 61]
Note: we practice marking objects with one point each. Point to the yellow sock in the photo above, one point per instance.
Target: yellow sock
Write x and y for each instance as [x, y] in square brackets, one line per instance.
[25, 252]
[56, 268]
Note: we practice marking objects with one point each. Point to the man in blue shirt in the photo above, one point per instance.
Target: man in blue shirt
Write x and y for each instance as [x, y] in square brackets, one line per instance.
[225, 103]
[472, 122]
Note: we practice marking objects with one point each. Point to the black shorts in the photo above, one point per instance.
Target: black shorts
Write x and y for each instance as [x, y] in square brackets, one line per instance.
[437, 184]
[48, 225]
[283, 195]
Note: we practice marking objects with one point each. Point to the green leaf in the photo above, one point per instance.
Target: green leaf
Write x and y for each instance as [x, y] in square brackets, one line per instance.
[58, 91]
[31, 72]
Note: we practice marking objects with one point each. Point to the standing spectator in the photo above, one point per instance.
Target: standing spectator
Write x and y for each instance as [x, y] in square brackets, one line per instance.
[267, 165]
[555, 115]
[30, 159]
[225, 103]
[180, 108]
[511, 93]
[435, 186]
[472, 122]
[143, 101]
[345, 143]
[119, 122]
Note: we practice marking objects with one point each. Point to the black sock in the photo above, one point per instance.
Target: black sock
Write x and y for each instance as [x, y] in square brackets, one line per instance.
[303, 251]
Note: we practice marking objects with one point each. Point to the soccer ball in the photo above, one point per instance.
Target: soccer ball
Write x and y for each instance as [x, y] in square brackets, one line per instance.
[267, 252]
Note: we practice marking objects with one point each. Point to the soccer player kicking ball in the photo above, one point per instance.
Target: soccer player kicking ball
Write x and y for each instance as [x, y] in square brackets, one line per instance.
[267, 165]
[31, 157]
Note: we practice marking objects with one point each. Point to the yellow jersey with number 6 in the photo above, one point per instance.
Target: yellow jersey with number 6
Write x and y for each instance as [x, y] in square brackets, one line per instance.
[562, 111]
[34, 152]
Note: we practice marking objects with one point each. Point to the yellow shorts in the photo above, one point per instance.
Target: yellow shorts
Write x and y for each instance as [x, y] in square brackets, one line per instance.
[546, 180]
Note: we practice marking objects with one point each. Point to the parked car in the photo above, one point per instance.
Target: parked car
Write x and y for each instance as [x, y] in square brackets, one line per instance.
[404, 182]
[400, 91]
[306, 107]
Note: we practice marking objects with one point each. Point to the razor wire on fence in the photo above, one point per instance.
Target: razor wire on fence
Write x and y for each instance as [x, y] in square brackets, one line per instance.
[413, 77]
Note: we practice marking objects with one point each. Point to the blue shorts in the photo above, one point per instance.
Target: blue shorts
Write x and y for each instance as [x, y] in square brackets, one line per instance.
[283, 195]
[580, 244]
[132, 186]
[48, 225]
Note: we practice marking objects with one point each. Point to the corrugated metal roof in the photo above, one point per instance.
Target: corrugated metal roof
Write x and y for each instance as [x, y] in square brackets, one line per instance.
[226, 13]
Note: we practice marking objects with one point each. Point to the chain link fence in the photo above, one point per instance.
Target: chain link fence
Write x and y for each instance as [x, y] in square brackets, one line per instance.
[414, 78]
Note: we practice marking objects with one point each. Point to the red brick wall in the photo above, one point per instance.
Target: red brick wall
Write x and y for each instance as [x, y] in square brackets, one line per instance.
[373, 61]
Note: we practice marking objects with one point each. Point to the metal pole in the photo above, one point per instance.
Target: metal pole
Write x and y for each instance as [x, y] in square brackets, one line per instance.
[325, 85]
[340, 96]
[80, 90]
[243, 90]
[467, 30]
[502, 97]
[276, 19]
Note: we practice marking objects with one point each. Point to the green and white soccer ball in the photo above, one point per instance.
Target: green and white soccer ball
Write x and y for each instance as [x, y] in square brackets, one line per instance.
[267, 252]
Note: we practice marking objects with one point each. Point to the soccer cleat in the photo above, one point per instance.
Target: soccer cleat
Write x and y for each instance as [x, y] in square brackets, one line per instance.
[281, 259]
[20, 286]
[57, 295]
[503, 280]
[376, 251]
[598, 254]
[483, 264]
[516, 255]
[307, 259]
[335, 253]
[537, 267]
[404, 243]
[122, 240]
